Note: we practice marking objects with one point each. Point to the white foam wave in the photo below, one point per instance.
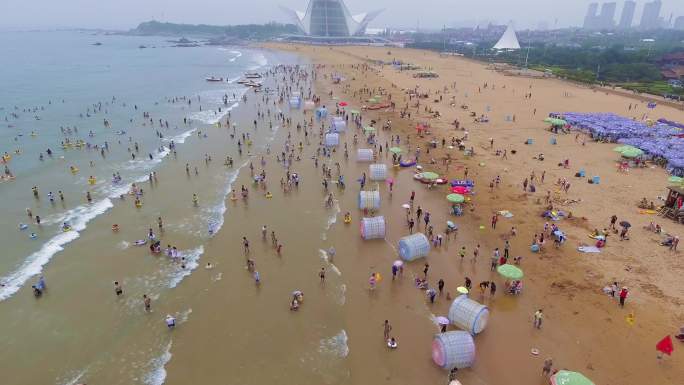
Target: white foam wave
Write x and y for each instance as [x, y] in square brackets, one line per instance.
[76, 379]
[192, 257]
[212, 116]
[180, 138]
[157, 374]
[335, 345]
[260, 61]
[78, 218]
[237, 56]
[326, 257]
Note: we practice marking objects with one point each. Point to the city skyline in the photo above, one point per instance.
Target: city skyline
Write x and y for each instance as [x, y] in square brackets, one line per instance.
[44, 14]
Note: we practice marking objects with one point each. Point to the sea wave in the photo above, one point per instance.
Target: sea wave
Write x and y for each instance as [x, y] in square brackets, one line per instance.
[192, 257]
[33, 264]
[336, 345]
[77, 218]
[212, 116]
[157, 373]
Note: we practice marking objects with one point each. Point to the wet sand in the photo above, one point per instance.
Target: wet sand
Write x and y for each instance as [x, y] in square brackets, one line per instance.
[584, 330]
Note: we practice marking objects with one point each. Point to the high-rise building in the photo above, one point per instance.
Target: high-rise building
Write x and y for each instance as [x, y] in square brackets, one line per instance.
[607, 16]
[650, 19]
[590, 18]
[330, 18]
[627, 16]
[679, 23]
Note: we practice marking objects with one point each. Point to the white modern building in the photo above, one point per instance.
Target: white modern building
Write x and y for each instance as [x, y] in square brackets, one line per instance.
[330, 18]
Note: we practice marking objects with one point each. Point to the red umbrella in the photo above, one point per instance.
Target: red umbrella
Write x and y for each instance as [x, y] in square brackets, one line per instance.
[343, 104]
[665, 345]
[420, 127]
[460, 190]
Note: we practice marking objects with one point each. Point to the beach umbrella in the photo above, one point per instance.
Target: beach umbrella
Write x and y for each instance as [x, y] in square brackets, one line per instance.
[566, 377]
[510, 272]
[369, 129]
[355, 112]
[377, 96]
[398, 263]
[429, 175]
[632, 153]
[672, 179]
[460, 190]
[406, 206]
[455, 198]
[442, 320]
[455, 382]
[395, 150]
[623, 148]
[343, 104]
[462, 290]
[625, 224]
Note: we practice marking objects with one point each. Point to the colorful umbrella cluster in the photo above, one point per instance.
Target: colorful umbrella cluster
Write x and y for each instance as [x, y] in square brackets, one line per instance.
[664, 138]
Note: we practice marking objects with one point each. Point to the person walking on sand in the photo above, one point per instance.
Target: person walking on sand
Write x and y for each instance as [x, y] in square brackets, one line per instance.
[387, 328]
[538, 317]
[548, 365]
[147, 302]
[495, 218]
[425, 270]
[440, 286]
[495, 259]
[507, 246]
[410, 225]
[321, 274]
[623, 296]
[613, 220]
[492, 289]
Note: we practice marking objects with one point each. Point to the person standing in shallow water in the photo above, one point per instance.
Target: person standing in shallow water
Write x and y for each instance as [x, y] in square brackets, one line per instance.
[118, 290]
[147, 302]
[387, 328]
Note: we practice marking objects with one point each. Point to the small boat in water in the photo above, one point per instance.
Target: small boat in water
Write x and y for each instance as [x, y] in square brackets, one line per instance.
[213, 79]
[252, 75]
[249, 83]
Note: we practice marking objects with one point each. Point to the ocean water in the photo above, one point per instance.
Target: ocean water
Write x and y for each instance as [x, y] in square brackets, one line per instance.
[62, 88]
[58, 91]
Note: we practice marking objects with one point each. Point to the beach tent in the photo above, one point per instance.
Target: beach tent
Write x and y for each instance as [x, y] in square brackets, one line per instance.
[322, 113]
[295, 102]
[377, 171]
[455, 349]
[364, 155]
[369, 200]
[373, 228]
[412, 247]
[339, 125]
[509, 40]
[332, 140]
[468, 315]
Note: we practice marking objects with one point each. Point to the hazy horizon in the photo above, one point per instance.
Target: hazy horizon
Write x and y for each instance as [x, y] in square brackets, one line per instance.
[126, 14]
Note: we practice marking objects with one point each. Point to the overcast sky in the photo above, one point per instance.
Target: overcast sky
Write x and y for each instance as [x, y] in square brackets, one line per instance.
[124, 14]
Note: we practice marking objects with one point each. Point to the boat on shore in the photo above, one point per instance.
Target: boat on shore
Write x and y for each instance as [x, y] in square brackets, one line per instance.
[252, 75]
[249, 83]
[213, 79]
